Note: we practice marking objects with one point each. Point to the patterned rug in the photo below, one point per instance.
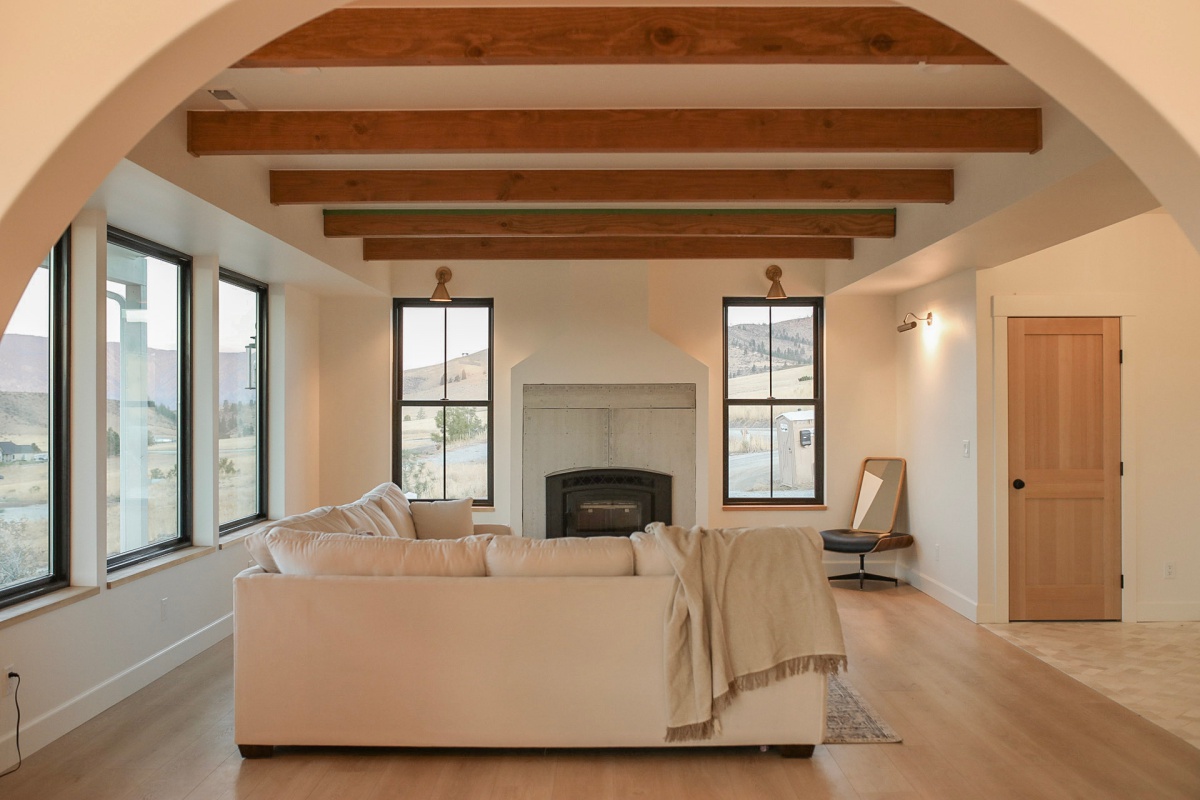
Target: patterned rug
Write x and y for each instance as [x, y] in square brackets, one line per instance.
[849, 720]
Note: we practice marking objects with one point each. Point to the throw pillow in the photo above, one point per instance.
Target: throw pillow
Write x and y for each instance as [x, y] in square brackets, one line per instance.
[596, 556]
[303, 553]
[443, 519]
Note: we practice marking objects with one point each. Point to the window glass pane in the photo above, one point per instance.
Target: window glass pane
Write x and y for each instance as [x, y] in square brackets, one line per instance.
[467, 333]
[747, 356]
[793, 451]
[143, 400]
[466, 451]
[749, 467]
[421, 452]
[25, 543]
[424, 357]
[238, 489]
[792, 352]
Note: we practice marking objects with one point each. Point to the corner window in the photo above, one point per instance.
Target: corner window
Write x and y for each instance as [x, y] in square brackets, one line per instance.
[442, 415]
[34, 530]
[774, 437]
[242, 406]
[147, 399]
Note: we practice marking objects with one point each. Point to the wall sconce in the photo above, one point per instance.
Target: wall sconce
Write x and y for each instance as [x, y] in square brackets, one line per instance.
[776, 292]
[910, 321]
[440, 295]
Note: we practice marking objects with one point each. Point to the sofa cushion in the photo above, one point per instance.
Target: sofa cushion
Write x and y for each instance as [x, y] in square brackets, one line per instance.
[305, 553]
[443, 519]
[648, 557]
[516, 556]
[256, 543]
[384, 510]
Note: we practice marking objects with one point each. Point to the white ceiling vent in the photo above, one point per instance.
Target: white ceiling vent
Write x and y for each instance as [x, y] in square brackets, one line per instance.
[230, 99]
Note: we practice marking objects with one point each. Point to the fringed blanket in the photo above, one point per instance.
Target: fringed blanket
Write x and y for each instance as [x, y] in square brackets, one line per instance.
[751, 606]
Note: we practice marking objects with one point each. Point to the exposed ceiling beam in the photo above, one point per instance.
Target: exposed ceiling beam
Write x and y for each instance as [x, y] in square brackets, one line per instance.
[999, 130]
[612, 186]
[611, 222]
[603, 247]
[389, 37]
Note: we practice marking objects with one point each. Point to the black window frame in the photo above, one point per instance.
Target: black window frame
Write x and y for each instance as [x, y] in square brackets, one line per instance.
[60, 434]
[262, 348]
[186, 425]
[399, 403]
[817, 401]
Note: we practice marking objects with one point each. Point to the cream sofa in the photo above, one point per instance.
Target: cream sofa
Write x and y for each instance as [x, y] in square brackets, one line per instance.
[539, 653]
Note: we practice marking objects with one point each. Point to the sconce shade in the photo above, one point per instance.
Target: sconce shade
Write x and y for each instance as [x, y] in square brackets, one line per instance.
[776, 292]
[910, 321]
[440, 295]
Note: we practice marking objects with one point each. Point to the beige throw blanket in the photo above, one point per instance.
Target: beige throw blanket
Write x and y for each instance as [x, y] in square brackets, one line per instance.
[751, 606]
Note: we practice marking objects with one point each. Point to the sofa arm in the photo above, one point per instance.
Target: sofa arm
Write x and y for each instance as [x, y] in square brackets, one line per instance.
[493, 528]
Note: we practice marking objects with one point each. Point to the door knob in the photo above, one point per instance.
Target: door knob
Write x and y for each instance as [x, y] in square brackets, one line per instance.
[1018, 484]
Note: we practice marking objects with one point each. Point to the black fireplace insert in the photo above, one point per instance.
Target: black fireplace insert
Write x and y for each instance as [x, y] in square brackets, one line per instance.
[605, 502]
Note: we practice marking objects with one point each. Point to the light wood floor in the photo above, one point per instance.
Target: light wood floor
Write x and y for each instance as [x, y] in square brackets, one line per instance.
[1152, 668]
[980, 719]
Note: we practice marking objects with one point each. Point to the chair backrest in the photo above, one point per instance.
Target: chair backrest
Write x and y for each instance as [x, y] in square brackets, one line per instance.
[878, 497]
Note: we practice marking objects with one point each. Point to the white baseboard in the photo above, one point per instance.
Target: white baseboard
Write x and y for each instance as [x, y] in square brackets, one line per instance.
[40, 731]
[1168, 612]
[941, 592]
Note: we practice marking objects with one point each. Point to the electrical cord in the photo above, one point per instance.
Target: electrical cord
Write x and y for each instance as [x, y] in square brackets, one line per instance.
[17, 703]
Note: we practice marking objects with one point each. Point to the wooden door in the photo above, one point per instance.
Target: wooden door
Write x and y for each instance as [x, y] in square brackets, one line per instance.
[1064, 461]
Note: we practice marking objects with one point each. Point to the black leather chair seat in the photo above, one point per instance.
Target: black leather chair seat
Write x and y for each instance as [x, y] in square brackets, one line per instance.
[844, 540]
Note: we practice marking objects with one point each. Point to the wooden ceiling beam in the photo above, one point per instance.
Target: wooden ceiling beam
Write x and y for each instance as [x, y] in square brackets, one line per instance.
[390, 37]
[602, 247]
[611, 222]
[924, 130]
[613, 186]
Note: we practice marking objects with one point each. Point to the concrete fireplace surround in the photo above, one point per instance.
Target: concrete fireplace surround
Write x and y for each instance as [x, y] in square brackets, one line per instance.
[576, 426]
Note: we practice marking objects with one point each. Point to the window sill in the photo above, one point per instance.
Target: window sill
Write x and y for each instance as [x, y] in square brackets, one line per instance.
[126, 575]
[230, 539]
[774, 508]
[28, 609]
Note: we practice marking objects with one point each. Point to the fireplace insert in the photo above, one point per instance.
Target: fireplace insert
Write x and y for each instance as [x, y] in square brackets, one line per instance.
[605, 502]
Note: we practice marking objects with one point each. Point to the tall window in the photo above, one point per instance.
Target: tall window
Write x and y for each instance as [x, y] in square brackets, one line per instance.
[34, 530]
[148, 399]
[774, 441]
[242, 386]
[443, 399]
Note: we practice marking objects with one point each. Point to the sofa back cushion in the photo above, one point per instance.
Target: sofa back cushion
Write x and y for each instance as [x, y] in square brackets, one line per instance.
[648, 557]
[443, 519]
[307, 553]
[260, 551]
[596, 556]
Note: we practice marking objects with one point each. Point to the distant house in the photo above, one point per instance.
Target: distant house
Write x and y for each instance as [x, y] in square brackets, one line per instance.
[10, 453]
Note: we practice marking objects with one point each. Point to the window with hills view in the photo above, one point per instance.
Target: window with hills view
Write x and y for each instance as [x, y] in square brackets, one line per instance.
[773, 402]
[241, 393]
[443, 399]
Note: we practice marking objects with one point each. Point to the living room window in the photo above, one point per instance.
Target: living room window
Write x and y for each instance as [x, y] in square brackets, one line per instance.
[242, 405]
[34, 530]
[442, 410]
[148, 399]
[774, 432]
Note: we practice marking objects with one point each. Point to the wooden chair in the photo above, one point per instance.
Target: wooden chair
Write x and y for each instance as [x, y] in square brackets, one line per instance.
[875, 505]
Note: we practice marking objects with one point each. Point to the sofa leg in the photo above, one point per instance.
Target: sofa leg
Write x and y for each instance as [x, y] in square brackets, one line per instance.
[796, 750]
[256, 750]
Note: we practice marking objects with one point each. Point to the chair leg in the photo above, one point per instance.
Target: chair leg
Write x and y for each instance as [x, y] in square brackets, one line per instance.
[862, 574]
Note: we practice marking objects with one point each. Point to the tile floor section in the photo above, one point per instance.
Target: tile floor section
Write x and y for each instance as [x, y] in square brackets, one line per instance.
[1151, 668]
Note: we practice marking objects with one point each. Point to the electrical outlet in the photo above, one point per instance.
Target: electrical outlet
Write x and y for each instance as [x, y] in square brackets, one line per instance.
[966, 448]
[6, 683]
[937, 552]
[162, 609]
[1169, 570]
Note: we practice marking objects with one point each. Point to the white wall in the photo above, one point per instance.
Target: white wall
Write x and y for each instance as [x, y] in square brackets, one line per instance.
[1145, 271]
[935, 414]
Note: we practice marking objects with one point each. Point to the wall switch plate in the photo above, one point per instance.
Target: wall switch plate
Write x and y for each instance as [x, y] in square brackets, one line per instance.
[966, 448]
[1169, 570]
[7, 683]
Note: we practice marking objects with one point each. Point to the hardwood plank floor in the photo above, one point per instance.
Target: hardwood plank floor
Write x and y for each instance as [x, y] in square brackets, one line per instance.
[979, 716]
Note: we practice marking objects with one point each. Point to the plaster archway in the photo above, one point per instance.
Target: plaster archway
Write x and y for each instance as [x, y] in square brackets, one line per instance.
[109, 72]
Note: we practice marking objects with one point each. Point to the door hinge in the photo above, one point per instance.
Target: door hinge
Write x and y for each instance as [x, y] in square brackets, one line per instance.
[1122, 581]
[1120, 356]
[1122, 468]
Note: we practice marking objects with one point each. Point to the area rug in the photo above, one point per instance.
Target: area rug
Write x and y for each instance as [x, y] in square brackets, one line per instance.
[850, 720]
